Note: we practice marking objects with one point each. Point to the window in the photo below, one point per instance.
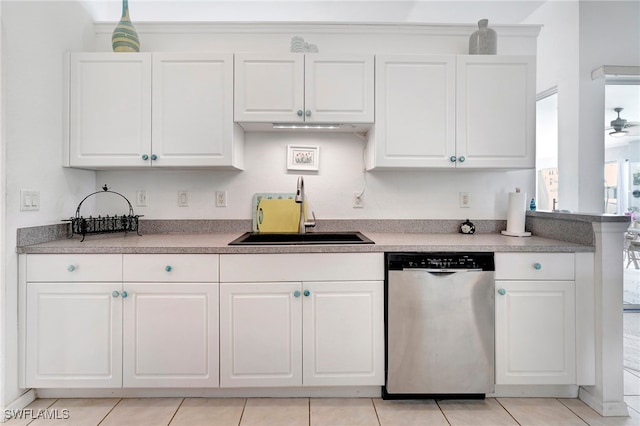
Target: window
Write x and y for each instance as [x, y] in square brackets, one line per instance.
[547, 151]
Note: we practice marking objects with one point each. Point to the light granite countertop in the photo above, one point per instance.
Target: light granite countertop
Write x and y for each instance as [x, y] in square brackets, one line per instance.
[384, 242]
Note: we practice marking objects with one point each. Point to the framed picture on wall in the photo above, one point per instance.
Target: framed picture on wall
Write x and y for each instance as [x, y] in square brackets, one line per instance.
[301, 157]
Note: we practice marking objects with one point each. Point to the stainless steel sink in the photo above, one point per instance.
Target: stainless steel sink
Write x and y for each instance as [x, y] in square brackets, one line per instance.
[252, 239]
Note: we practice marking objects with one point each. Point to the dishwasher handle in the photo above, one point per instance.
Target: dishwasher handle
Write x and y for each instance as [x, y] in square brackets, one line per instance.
[443, 270]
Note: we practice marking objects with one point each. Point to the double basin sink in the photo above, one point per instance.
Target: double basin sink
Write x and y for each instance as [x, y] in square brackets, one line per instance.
[252, 239]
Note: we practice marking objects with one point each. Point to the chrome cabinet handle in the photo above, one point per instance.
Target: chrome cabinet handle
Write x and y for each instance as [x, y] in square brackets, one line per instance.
[502, 292]
[145, 157]
[453, 158]
[461, 159]
[125, 294]
[168, 268]
[306, 293]
[299, 112]
[296, 293]
[115, 293]
[154, 157]
[71, 268]
[308, 113]
[537, 266]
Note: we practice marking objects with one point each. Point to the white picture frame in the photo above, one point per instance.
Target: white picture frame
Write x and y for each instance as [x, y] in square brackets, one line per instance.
[303, 157]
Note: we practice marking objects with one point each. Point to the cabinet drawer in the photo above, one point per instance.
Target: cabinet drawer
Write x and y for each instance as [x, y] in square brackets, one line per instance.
[170, 267]
[535, 266]
[74, 267]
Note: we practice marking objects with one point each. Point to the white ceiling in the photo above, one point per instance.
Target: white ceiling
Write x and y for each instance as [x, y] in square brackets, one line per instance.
[418, 11]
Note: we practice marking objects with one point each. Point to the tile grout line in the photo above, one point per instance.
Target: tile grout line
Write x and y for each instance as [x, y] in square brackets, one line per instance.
[244, 406]
[375, 410]
[508, 412]
[576, 414]
[110, 411]
[176, 412]
[446, 419]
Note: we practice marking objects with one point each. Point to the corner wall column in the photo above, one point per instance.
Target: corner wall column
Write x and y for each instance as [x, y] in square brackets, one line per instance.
[607, 396]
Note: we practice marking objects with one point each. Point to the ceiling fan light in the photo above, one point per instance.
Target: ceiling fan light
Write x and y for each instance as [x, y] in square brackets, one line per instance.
[618, 133]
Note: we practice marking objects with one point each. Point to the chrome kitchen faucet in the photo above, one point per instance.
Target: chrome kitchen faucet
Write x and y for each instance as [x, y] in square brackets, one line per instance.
[302, 227]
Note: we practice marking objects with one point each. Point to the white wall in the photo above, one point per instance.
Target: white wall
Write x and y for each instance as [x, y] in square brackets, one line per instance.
[35, 35]
[388, 195]
[577, 38]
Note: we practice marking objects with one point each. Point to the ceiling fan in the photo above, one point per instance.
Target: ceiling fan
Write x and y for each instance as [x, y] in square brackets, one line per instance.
[621, 127]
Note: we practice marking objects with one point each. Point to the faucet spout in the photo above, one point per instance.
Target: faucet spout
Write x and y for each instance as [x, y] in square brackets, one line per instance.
[300, 200]
[302, 224]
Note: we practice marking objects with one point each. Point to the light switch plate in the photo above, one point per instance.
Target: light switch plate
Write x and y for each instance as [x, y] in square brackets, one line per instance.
[29, 200]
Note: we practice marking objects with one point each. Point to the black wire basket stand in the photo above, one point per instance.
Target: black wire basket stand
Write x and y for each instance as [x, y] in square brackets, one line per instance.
[104, 224]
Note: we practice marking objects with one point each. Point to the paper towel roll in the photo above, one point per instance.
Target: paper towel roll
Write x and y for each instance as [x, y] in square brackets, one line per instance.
[516, 212]
[516, 215]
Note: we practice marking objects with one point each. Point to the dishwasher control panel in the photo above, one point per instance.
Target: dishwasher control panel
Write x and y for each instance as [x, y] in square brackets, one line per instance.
[446, 260]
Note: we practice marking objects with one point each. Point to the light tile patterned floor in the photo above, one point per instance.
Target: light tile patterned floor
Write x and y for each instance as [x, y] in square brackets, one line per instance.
[323, 411]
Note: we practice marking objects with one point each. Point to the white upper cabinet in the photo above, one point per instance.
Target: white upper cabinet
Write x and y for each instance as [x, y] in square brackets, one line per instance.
[415, 111]
[142, 109]
[444, 111]
[192, 121]
[311, 88]
[496, 111]
[109, 109]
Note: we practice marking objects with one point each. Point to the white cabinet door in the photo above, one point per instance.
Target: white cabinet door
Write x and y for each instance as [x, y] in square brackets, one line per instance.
[339, 88]
[260, 334]
[343, 333]
[109, 109]
[73, 335]
[269, 88]
[535, 332]
[496, 111]
[170, 335]
[293, 88]
[415, 112]
[193, 110]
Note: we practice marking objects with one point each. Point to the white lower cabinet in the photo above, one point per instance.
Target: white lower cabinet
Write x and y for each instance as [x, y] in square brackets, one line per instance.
[91, 334]
[170, 335]
[277, 332]
[73, 335]
[535, 319]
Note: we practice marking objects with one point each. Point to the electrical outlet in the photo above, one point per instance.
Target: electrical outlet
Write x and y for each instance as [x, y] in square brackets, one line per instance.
[465, 200]
[183, 199]
[141, 198]
[358, 200]
[221, 198]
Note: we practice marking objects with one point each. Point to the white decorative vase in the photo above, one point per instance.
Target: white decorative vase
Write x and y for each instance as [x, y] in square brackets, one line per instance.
[483, 41]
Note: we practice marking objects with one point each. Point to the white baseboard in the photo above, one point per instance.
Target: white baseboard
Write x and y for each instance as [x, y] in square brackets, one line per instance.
[605, 409]
[19, 403]
[535, 391]
[311, 392]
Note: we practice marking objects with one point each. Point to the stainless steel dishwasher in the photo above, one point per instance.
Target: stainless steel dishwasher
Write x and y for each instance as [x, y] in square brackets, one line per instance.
[439, 325]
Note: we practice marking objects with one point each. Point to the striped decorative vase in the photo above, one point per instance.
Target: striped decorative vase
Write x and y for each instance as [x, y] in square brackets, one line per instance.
[125, 38]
